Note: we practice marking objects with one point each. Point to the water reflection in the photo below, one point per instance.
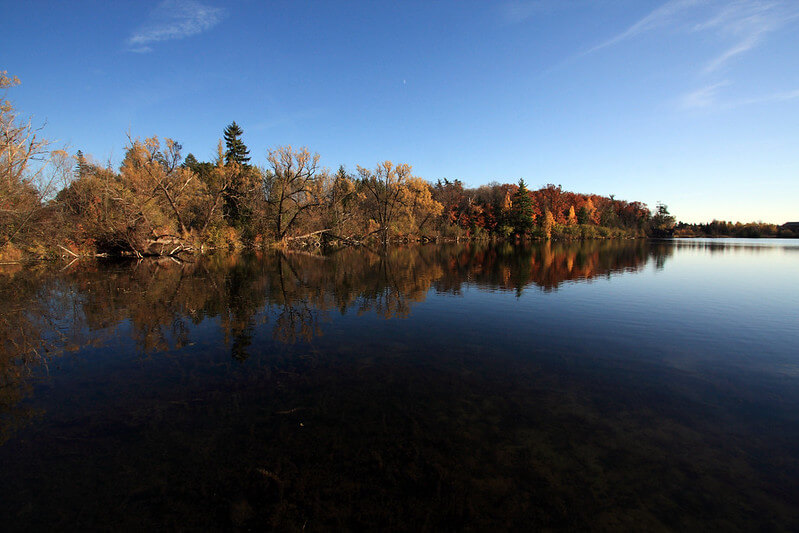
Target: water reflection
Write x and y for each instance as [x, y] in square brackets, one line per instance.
[353, 391]
[48, 311]
[751, 246]
[162, 299]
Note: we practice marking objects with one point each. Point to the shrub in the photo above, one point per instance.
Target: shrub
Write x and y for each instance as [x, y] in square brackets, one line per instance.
[588, 231]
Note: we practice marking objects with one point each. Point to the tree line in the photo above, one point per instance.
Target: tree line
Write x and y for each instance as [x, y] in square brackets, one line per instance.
[721, 228]
[158, 202]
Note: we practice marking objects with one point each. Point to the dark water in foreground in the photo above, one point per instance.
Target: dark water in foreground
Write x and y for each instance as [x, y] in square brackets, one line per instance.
[612, 385]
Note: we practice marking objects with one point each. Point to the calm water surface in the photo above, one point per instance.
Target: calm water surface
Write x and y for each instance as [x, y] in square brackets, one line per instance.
[605, 385]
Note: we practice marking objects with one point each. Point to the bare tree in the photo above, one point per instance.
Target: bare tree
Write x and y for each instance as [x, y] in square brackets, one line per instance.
[154, 172]
[292, 186]
[30, 171]
[385, 193]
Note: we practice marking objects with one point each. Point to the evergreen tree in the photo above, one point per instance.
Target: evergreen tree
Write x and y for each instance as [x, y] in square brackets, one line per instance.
[201, 168]
[582, 216]
[236, 151]
[522, 209]
[190, 162]
[243, 182]
[82, 167]
[662, 223]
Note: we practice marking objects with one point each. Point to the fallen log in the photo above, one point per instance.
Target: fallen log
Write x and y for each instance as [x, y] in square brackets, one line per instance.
[299, 237]
[67, 250]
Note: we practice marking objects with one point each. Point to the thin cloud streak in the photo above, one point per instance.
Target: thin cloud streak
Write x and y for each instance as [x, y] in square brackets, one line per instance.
[173, 20]
[771, 98]
[746, 23]
[707, 98]
[702, 98]
[658, 18]
[738, 27]
[739, 48]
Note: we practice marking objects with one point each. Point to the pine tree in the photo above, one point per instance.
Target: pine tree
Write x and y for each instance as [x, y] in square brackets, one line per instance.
[236, 151]
[82, 167]
[522, 209]
[190, 162]
[582, 216]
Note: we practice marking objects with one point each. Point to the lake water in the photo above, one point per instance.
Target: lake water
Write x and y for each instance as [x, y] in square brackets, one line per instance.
[605, 385]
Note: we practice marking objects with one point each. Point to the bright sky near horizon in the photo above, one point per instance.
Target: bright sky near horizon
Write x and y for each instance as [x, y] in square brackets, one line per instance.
[694, 103]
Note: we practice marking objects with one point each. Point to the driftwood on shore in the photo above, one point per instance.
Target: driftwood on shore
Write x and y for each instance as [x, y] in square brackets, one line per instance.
[164, 246]
[326, 237]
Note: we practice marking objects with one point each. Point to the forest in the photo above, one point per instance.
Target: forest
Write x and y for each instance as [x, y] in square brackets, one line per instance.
[157, 202]
[721, 228]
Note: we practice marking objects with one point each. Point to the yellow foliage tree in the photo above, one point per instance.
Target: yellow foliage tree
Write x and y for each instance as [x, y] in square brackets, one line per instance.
[549, 222]
[418, 204]
[293, 185]
[30, 172]
[572, 220]
[152, 173]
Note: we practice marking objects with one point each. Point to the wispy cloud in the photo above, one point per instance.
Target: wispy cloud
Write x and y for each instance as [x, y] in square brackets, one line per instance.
[174, 19]
[767, 99]
[741, 25]
[744, 24]
[702, 98]
[777, 97]
[660, 17]
[708, 98]
[732, 27]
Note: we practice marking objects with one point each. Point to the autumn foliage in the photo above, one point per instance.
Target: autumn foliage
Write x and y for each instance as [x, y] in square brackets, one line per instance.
[156, 202]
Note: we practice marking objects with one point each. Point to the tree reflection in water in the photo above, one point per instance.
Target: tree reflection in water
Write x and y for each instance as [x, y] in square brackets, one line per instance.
[48, 311]
[279, 390]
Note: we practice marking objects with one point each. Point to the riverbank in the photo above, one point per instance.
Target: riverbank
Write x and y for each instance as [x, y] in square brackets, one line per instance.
[179, 249]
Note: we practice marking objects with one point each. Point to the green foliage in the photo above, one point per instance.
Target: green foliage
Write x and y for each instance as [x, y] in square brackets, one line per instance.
[588, 231]
[537, 233]
[242, 181]
[609, 218]
[569, 233]
[583, 215]
[662, 223]
[236, 151]
[720, 228]
[82, 167]
[189, 162]
[522, 210]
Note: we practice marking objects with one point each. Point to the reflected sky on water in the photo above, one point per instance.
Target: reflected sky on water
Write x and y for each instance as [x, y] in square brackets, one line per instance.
[604, 385]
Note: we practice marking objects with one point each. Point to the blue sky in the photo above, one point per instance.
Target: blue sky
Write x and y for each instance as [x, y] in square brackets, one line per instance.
[690, 102]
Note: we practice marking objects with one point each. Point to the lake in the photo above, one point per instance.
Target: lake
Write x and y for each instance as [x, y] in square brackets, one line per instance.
[605, 385]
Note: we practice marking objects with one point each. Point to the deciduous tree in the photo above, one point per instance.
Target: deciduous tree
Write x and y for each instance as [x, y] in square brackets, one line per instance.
[292, 185]
[384, 189]
[152, 172]
[30, 171]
